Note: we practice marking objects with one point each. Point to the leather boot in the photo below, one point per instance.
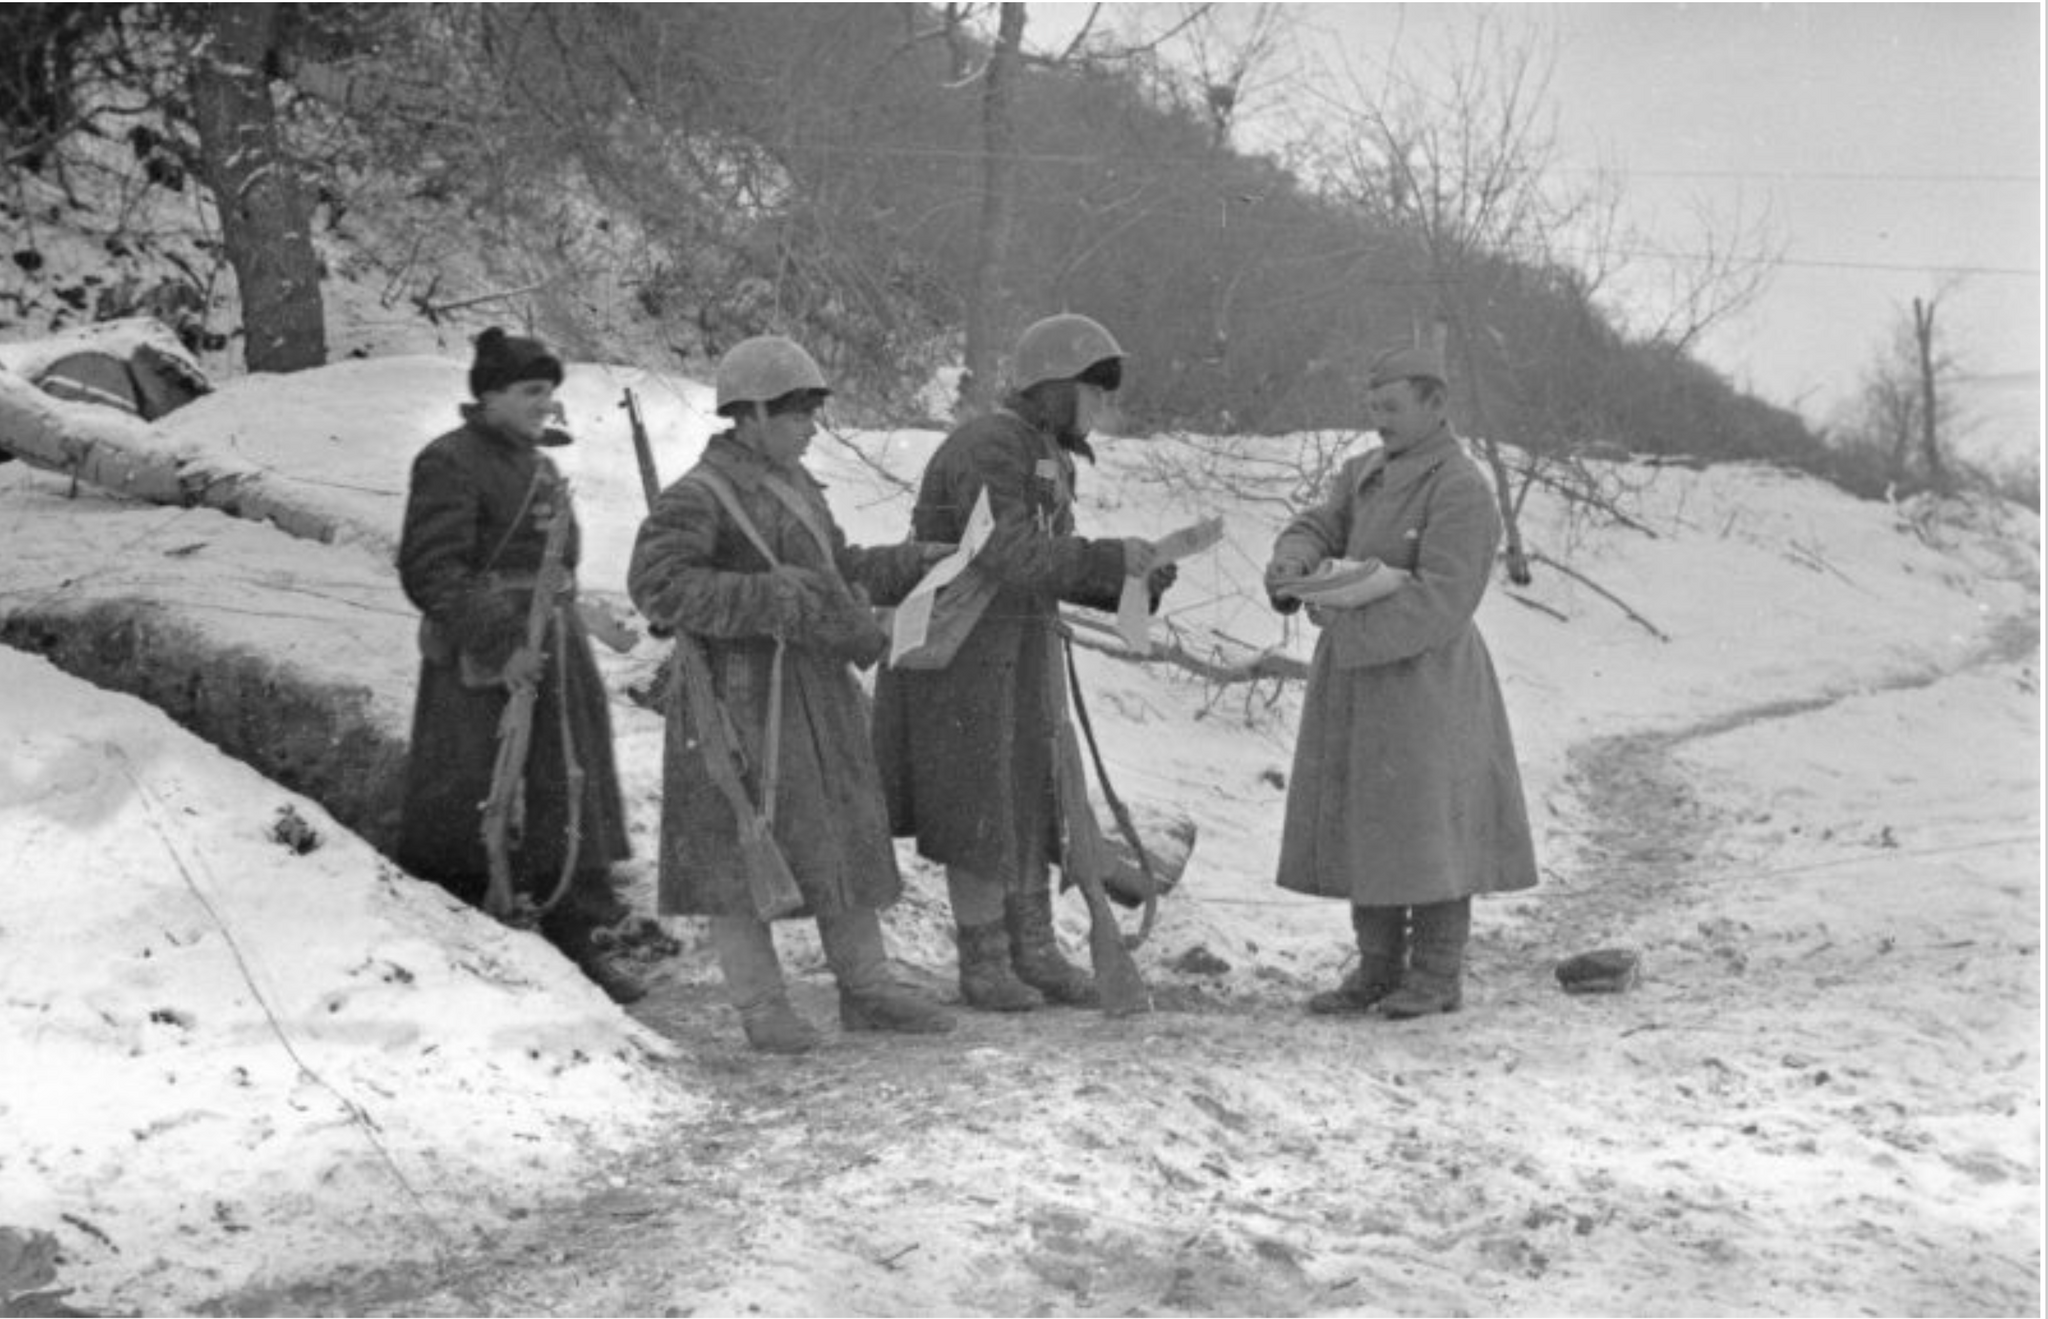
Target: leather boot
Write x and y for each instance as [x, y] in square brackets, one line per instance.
[1035, 947]
[753, 981]
[869, 999]
[986, 980]
[568, 927]
[1382, 948]
[1436, 968]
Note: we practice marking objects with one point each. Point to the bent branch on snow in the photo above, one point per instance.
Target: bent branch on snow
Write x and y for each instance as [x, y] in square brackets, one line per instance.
[1215, 668]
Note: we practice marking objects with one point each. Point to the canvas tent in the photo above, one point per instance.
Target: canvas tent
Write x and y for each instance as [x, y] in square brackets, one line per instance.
[144, 381]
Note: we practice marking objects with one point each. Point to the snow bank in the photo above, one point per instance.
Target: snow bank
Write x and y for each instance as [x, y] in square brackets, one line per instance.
[214, 1037]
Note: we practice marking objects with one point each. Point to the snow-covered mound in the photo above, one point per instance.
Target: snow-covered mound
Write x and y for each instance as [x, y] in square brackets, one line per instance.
[223, 1015]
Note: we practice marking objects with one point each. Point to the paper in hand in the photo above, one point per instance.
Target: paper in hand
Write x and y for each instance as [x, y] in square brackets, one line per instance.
[1134, 607]
[913, 617]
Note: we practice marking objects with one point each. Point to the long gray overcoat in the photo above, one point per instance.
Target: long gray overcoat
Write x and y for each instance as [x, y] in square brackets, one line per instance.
[695, 571]
[1405, 789]
[476, 515]
[965, 751]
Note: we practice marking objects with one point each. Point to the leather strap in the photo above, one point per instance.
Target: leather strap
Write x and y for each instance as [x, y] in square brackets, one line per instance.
[805, 514]
[729, 500]
[771, 752]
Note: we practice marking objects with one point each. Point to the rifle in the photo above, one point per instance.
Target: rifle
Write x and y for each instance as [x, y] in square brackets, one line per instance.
[769, 880]
[515, 736]
[1085, 859]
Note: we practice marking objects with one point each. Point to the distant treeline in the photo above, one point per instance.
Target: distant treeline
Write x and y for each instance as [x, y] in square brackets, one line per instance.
[822, 170]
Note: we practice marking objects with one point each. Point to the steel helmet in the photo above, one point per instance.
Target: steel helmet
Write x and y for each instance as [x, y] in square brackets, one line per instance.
[1061, 348]
[764, 368]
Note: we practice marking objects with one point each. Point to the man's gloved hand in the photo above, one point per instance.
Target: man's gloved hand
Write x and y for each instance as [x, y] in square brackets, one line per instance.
[603, 625]
[1158, 580]
[849, 628]
[798, 599]
[1278, 573]
[492, 627]
[817, 611]
[523, 669]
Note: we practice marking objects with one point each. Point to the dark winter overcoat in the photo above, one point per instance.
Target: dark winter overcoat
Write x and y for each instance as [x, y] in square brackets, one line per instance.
[965, 751]
[476, 522]
[695, 571]
[1405, 789]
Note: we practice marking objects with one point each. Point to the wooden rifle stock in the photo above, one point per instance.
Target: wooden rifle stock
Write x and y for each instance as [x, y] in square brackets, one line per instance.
[769, 880]
[515, 734]
[1085, 858]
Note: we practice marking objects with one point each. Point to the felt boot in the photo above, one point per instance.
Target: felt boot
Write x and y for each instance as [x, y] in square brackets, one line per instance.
[753, 981]
[986, 980]
[1382, 948]
[981, 931]
[1035, 947]
[869, 999]
[1436, 968]
[774, 1027]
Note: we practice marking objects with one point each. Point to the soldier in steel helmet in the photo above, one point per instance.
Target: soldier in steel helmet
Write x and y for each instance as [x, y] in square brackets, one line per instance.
[477, 510]
[1405, 799]
[703, 566]
[965, 750]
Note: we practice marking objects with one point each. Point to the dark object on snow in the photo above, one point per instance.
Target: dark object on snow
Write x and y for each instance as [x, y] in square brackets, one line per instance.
[1169, 839]
[28, 1264]
[1199, 961]
[291, 829]
[147, 384]
[1602, 971]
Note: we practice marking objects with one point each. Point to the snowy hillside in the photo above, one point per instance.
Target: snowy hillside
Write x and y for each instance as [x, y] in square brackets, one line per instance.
[1803, 781]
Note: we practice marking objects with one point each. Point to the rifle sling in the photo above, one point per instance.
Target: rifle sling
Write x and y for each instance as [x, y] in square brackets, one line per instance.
[771, 741]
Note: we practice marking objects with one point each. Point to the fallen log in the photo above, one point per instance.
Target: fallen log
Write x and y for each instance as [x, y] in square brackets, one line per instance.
[133, 458]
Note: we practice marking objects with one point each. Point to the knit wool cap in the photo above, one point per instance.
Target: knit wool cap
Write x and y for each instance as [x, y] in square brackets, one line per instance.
[1406, 364]
[503, 360]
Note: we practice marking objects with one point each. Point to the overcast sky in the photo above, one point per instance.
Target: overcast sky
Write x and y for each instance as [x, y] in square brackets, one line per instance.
[1890, 145]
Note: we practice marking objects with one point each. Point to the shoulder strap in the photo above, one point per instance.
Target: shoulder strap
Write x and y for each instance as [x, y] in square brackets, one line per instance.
[540, 467]
[801, 507]
[771, 736]
[729, 499]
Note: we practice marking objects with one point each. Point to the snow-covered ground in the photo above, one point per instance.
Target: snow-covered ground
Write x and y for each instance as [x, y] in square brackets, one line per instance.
[1813, 804]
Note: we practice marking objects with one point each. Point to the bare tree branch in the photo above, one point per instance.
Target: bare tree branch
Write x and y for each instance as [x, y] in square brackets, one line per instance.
[1260, 666]
[1537, 556]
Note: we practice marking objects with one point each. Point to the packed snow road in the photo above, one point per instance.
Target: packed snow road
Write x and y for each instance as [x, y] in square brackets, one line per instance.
[1822, 1097]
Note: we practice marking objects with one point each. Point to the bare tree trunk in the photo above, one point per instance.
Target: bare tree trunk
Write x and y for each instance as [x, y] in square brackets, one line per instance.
[998, 201]
[1923, 335]
[954, 20]
[264, 219]
[1899, 419]
[1503, 486]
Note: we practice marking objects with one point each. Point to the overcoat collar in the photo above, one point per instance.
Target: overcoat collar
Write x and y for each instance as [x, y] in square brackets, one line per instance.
[1024, 410]
[747, 467]
[1405, 468]
[473, 417]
